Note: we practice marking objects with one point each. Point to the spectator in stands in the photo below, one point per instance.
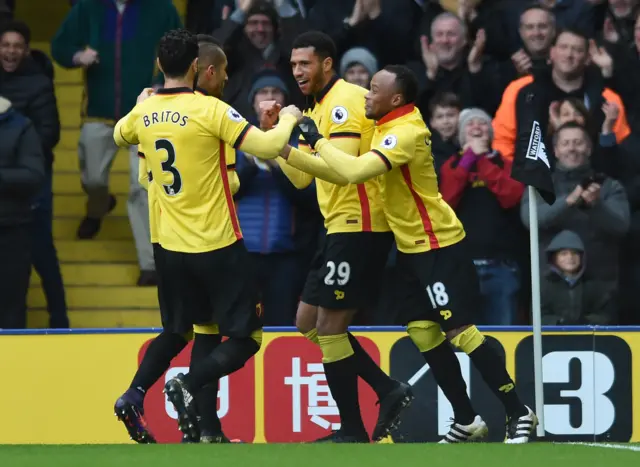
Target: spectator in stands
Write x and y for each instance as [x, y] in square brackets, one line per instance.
[588, 203]
[6, 12]
[569, 76]
[573, 14]
[28, 84]
[620, 21]
[606, 157]
[279, 222]
[255, 37]
[569, 297]
[115, 43]
[21, 176]
[385, 27]
[447, 67]
[357, 66]
[537, 31]
[477, 183]
[444, 110]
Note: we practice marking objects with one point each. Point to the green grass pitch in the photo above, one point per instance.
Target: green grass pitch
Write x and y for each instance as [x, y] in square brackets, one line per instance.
[319, 455]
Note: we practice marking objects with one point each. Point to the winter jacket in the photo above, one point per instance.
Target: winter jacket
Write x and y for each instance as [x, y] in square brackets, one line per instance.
[31, 93]
[274, 216]
[514, 103]
[485, 199]
[601, 227]
[126, 44]
[574, 300]
[21, 165]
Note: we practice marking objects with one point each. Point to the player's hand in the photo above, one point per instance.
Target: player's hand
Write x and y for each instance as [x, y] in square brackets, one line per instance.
[310, 131]
[292, 110]
[145, 94]
[269, 111]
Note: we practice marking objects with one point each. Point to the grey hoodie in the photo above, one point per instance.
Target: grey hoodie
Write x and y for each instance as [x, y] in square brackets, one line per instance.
[575, 300]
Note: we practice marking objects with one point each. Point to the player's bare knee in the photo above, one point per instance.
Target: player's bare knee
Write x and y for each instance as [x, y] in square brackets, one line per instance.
[306, 318]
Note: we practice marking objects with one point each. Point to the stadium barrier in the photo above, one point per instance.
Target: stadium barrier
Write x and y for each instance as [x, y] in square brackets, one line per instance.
[59, 386]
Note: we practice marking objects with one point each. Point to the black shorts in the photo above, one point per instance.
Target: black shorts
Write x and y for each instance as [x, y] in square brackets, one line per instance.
[347, 270]
[169, 321]
[207, 288]
[439, 285]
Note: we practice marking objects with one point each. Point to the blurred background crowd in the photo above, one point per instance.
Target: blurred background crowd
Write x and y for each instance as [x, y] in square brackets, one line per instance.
[476, 60]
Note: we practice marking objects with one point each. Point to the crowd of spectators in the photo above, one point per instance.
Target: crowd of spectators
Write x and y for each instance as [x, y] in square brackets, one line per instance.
[477, 64]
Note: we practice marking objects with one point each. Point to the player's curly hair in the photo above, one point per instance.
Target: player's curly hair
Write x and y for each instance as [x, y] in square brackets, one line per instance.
[406, 82]
[323, 45]
[177, 50]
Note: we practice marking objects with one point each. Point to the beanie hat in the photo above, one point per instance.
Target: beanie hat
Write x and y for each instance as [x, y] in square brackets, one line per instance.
[359, 55]
[466, 116]
[265, 78]
[262, 7]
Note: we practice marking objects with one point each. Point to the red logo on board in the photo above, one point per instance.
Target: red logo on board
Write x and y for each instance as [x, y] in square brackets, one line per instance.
[236, 402]
[298, 406]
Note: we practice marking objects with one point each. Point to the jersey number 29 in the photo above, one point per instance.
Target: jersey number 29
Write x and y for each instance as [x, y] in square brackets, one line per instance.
[168, 166]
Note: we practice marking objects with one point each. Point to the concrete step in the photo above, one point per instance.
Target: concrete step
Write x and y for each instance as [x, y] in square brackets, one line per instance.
[95, 274]
[68, 205]
[69, 183]
[100, 297]
[69, 138]
[100, 318]
[69, 97]
[113, 228]
[99, 251]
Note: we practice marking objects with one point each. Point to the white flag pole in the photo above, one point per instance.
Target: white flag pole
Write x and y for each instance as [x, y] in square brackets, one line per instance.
[536, 309]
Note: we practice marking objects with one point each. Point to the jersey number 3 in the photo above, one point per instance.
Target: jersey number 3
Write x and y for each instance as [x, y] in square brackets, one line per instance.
[168, 166]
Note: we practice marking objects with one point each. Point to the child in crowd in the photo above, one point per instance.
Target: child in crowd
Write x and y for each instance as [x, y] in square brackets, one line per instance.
[568, 297]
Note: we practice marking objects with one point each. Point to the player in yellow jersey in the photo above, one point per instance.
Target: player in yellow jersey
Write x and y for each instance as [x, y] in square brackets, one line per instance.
[438, 282]
[129, 407]
[345, 271]
[187, 138]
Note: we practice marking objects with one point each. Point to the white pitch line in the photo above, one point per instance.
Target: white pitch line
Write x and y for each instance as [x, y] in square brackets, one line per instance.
[624, 447]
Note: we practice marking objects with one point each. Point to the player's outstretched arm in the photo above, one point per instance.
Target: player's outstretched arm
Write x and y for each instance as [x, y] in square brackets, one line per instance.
[354, 169]
[314, 166]
[269, 144]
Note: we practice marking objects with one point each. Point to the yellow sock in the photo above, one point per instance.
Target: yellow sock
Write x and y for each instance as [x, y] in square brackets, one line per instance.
[426, 335]
[312, 336]
[206, 329]
[335, 348]
[468, 340]
[257, 336]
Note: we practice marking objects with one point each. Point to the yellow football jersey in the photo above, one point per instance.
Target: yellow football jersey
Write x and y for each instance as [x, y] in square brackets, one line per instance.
[187, 139]
[339, 114]
[419, 218]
